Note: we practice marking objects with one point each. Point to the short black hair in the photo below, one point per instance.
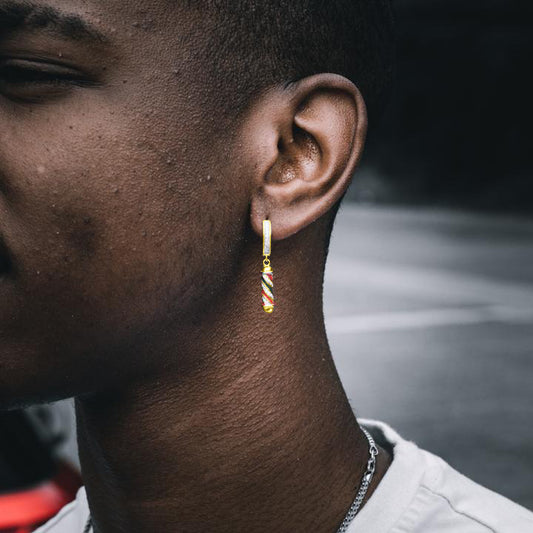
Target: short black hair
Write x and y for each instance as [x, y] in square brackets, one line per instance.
[254, 44]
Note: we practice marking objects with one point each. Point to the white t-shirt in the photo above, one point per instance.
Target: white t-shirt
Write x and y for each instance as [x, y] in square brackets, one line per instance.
[420, 493]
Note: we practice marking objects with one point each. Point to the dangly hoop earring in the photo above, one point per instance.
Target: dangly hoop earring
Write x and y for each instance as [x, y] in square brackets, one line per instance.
[267, 274]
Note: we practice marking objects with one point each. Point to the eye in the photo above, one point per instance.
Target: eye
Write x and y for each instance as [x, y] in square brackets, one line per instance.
[32, 81]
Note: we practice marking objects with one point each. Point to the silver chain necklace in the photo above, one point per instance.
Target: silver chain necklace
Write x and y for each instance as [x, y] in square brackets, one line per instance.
[365, 483]
[360, 496]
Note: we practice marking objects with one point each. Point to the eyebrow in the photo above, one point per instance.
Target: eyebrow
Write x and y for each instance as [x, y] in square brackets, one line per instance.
[17, 15]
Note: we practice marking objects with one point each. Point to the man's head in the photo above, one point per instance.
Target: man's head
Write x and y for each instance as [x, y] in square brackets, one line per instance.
[142, 144]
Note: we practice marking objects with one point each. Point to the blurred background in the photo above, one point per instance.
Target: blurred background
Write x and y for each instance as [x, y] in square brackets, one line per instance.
[429, 284]
[457, 129]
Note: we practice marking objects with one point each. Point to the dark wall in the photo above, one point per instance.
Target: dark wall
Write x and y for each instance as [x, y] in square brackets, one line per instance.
[457, 129]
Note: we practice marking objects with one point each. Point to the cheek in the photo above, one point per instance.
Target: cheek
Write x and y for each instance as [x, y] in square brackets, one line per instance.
[111, 235]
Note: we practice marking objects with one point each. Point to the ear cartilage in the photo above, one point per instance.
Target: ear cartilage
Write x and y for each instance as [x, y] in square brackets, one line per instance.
[267, 274]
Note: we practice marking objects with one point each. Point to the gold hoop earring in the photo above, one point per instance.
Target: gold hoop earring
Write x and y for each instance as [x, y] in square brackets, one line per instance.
[267, 274]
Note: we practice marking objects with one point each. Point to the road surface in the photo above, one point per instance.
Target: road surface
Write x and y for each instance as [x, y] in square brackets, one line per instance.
[430, 319]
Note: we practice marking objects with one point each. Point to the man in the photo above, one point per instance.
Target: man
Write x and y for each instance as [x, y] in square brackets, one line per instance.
[142, 146]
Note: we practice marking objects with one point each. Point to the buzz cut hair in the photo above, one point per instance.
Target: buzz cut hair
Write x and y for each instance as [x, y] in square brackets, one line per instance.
[255, 44]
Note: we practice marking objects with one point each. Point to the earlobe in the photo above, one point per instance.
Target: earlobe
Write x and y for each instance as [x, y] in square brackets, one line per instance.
[316, 136]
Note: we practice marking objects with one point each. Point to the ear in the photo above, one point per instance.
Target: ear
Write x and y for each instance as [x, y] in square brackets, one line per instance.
[306, 140]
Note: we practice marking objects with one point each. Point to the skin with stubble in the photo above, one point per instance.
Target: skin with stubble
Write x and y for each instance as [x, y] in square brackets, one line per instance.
[131, 211]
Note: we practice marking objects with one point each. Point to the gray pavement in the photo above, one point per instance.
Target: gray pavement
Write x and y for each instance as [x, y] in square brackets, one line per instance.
[430, 319]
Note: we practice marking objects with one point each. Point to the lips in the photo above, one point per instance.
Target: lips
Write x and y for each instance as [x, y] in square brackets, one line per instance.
[5, 261]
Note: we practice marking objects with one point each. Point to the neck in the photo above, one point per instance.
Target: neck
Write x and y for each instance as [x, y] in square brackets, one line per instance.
[258, 437]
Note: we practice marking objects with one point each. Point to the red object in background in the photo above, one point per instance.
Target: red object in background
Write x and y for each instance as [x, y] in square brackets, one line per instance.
[25, 510]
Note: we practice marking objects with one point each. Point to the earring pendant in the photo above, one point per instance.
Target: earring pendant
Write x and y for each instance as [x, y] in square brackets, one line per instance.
[267, 274]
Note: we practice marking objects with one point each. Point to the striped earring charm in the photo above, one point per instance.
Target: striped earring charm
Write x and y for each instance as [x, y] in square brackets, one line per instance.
[267, 275]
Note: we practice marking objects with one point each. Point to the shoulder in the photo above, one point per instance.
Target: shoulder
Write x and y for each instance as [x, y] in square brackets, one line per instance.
[448, 493]
[71, 519]
[421, 492]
